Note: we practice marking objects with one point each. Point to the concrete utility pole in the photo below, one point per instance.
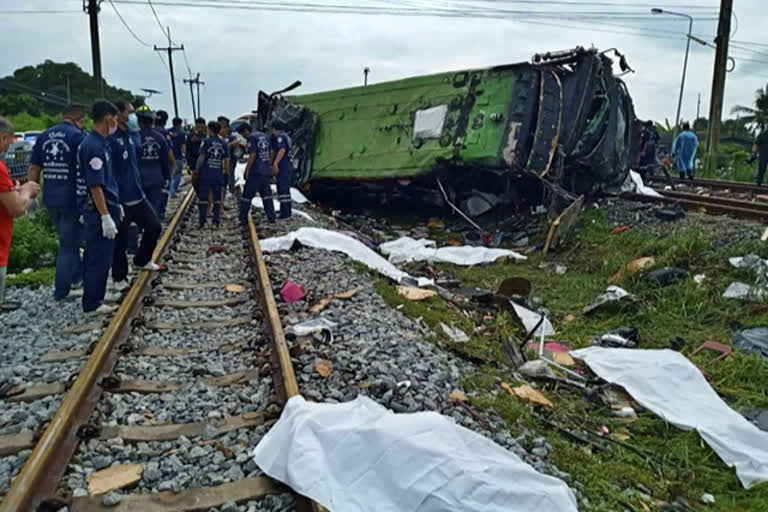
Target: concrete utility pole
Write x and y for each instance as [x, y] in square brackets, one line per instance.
[170, 49]
[698, 107]
[192, 96]
[92, 7]
[718, 77]
[365, 73]
[195, 81]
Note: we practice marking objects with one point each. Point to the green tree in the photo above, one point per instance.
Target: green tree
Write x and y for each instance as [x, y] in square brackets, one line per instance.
[757, 115]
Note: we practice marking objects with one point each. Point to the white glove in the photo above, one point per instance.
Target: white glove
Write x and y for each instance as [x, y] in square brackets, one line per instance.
[108, 228]
[122, 213]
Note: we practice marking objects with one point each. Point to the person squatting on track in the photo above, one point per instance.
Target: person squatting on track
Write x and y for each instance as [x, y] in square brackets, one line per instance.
[179, 147]
[282, 167]
[133, 202]
[209, 174]
[257, 174]
[99, 204]
[154, 162]
[14, 199]
[55, 157]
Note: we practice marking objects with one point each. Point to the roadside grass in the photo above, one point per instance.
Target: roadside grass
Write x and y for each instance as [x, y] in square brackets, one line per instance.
[668, 461]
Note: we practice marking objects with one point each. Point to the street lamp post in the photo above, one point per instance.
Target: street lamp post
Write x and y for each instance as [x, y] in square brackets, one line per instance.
[656, 10]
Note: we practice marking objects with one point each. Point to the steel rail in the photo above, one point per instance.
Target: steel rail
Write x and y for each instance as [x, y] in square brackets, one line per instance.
[742, 186]
[724, 201]
[743, 211]
[38, 479]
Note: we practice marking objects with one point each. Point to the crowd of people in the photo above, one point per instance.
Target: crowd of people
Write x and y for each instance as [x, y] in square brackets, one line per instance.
[108, 189]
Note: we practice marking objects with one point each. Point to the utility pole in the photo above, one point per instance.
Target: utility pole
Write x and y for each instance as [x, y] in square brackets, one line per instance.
[92, 7]
[718, 77]
[192, 95]
[69, 93]
[170, 49]
[698, 107]
[365, 73]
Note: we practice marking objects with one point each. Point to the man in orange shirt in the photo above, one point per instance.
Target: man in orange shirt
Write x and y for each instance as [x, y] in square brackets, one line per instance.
[14, 199]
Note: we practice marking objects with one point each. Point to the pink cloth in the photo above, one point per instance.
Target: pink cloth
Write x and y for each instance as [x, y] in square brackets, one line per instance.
[292, 292]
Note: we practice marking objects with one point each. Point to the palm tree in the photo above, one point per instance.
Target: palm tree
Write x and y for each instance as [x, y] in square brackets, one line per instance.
[757, 115]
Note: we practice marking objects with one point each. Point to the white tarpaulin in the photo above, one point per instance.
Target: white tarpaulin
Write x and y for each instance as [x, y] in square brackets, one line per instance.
[333, 241]
[668, 384]
[359, 457]
[634, 183]
[296, 196]
[406, 249]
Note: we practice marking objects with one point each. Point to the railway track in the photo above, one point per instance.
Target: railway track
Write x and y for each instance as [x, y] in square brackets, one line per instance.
[735, 186]
[186, 378]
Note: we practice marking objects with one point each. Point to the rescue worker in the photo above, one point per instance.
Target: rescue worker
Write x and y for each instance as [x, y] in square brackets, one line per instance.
[154, 162]
[232, 144]
[684, 151]
[194, 140]
[133, 131]
[282, 167]
[209, 174]
[134, 202]
[179, 147]
[649, 144]
[55, 154]
[99, 204]
[760, 152]
[161, 117]
[257, 174]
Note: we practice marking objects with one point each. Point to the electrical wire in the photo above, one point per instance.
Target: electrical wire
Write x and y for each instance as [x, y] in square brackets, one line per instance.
[39, 11]
[128, 26]
[168, 34]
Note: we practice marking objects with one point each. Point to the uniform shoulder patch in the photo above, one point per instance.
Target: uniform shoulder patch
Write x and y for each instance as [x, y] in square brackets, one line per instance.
[279, 139]
[96, 163]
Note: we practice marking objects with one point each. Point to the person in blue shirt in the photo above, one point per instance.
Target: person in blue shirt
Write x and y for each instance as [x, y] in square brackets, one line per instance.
[133, 200]
[179, 146]
[257, 174]
[684, 151]
[154, 163]
[99, 205]
[232, 144]
[161, 117]
[282, 167]
[55, 155]
[209, 173]
[194, 140]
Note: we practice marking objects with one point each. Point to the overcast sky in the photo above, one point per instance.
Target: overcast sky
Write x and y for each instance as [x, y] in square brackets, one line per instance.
[238, 52]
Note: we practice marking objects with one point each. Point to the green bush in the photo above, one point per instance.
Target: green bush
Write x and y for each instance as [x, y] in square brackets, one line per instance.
[34, 243]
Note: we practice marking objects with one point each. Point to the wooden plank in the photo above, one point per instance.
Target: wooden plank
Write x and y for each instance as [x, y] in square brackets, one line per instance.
[63, 355]
[562, 225]
[135, 433]
[14, 443]
[147, 386]
[202, 498]
[185, 271]
[167, 351]
[183, 285]
[214, 324]
[113, 478]
[233, 378]
[213, 303]
[82, 328]
[38, 391]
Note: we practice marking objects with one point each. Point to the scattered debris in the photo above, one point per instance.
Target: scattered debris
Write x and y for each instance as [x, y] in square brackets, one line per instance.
[324, 367]
[666, 276]
[671, 386]
[764, 237]
[752, 341]
[527, 394]
[292, 292]
[569, 318]
[414, 293]
[724, 350]
[561, 270]
[113, 478]
[613, 299]
[758, 417]
[316, 325]
[619, 229]
[454, 333]
[633, 266]
[670, 213]
[406, 249]
[514, 288]
[623, 337]
[699, 278]
[235, 288]
[562, 225]
[634, 184]
[707, 499]
[537, 369]
[536, 324]
[458, 395]
[326, 301]
[750, 261]
[436, 476]
[216, 249]
[563, 358]
[743, 291]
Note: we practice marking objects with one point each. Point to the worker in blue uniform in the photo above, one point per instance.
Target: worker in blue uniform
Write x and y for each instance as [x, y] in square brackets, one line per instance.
[132, 244]
[99, 204]
[257, 174]
[684, 151]
[194, 140]
[55, 155]
[282, 167]
[154, 164]
[133, 201]
[179, 147]
[232, 144]
[161, 117]
[209, 173]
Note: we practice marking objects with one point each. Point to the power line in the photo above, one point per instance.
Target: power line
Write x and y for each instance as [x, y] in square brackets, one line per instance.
[128, 26]
[158, 21]
[39, 11]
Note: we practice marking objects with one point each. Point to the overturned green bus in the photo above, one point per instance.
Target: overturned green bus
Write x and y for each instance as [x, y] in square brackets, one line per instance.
[564, 122]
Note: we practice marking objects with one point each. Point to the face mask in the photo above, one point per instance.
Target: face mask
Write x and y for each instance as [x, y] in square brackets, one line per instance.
[113, 128]
[133, 122]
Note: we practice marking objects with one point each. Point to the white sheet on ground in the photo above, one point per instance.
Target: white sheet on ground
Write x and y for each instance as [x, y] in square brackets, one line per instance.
[634, 183]
[668, 384]
[359, 457]
[334, 241]
[296, 195]
[406, 249]
[258, 203]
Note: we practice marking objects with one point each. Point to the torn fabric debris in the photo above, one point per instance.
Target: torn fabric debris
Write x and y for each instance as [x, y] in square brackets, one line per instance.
[406, 249]
[671, 386]
[421, 462]
[634, 183]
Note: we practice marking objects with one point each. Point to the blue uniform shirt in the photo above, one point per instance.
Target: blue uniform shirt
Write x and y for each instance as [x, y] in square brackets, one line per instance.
[193, 147]
[95, 169]
[214, 151]
[283, 141]
[154, 167]
[178, 139]
[55, 151]
[125, 166]
[259, 144]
